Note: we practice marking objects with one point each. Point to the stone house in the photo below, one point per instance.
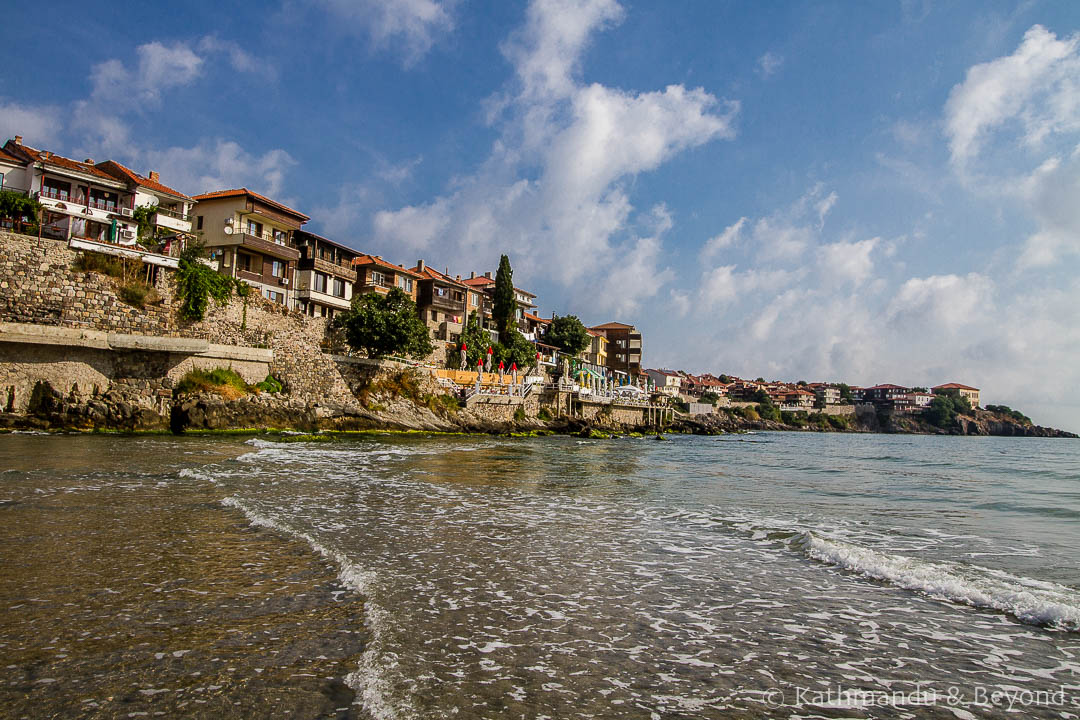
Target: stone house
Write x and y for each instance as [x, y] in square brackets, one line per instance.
[325, 278]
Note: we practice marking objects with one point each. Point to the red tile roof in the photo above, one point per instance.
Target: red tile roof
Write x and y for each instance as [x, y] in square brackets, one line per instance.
[244, 192]
[365, 259]
[9, 158]
[428, 274]
[44, 156]
[955, 386]
[132, 176]
[887, 387]
[612, 326]
[479, 281]
[537, 318]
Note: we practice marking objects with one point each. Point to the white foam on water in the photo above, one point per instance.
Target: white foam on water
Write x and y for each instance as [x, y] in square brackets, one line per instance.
[1031, 601]
[368, 680]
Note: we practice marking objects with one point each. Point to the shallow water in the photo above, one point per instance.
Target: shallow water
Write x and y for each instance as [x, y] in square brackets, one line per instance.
[771, 575]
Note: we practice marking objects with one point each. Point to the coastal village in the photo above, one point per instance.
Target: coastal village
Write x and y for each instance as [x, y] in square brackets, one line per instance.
[106, 208]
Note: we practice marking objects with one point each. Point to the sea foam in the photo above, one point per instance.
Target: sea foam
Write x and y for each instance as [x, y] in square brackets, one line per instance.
[1030, 601]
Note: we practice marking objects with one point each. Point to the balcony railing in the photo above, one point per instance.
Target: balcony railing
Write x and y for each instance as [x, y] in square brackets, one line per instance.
[178, 215]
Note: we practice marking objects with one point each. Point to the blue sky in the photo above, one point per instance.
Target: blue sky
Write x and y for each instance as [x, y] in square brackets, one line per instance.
[866, 192]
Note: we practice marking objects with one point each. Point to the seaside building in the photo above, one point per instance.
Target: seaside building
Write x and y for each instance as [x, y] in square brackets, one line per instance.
[624, 347]
[596, 351]
[665, 381]
[79, 200]
[972, 394]
[883, 393]
[251, 238]
[375, 275]
[484, 287]
[827, 394]
[440, 301]
[325, 278]
[172, 216]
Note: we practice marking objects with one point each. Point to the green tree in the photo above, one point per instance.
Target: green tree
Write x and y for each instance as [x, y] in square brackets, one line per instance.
[476, 340]
[514, 348]
[725, 379]
[941, 411]
[568, 334]
[845, 393]
[197, 282]
[384, 325]
[504, 304]
[15, 206]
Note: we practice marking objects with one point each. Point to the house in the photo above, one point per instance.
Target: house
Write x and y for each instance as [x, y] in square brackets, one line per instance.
[595, 352]
[172, 216]
[482, 290]
[440, 301]
[536, 327]
[912, 402]
[78, 199]
[883, 393]
[827, 394]
[665, 381]
[624, 347]
[972, 394]
[251, 238]
[325, 278]
[795, 399]
[376, 275]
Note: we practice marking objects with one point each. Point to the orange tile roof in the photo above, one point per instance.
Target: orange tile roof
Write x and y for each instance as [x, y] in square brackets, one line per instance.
[366, 259]
[479, 281]
[955, 386]
[247, 193]
[537, 318]
[429, 274]
[138, 179]
[43, 156]
[7, 157]
[612, 326]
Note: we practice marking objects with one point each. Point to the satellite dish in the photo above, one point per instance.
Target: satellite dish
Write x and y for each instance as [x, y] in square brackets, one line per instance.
[228, 230]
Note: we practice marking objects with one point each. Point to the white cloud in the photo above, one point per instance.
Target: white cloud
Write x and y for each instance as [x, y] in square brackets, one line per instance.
[220, 164]
[1052, 192]
[239, 59]
[553, 191]
[40, 125]
[729, 237]
[157, 68]
[1037, 86]
[409, 27]
[849, 261]
[769, 63]
[941, 301]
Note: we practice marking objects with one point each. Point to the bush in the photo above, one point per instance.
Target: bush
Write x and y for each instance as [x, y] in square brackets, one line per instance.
[544, 414]
[839, 422]
[270, 385]
[1008, 411]
[382, 325]
[100, 263]
[222, 381]
[519, 414]
[750, 414]
[137, 294]
[768, 411]
[197, 282]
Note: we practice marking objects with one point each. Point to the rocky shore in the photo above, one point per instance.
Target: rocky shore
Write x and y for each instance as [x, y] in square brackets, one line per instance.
[51, 410]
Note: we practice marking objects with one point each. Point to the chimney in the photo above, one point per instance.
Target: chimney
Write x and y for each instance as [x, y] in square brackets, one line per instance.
[18, 139]
[420, 266]
[459, 278]
[488, 274]
[472, 275]
[89, 161]
[154, 176]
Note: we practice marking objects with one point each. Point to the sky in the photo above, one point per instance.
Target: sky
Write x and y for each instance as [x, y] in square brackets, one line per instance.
[882, 192]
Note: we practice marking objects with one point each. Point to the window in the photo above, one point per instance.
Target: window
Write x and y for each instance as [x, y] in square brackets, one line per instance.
[442, 292]
[103, 200]
[474, 299]
[434, 316]
[377, 278]
[198, 222]
[404, 283]
[273, 296]
[56, 189]
[320, 282]
[277, 268]
[254, 228]
[339, 288]
[249, 263]
[279, 237]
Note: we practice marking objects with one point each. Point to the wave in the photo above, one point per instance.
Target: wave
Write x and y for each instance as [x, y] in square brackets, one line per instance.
[367, 680]
[1033, 602]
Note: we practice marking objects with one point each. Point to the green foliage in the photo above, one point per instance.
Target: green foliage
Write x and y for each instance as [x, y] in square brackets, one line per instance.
[960, 403]
[1008, 411]
[270, 385]
[568, 334]
[845, 393]
[382, 325]
[519, 414]
[750, 413]
[840, 422]
[476, 341]
[144, 218]
[768, 411]
[762, 397]
[15, 206]
[137, 293]
[219, 380]
[797, 419]
[514, 348]
[725, 379]
[504, 305]
[444, 405]
[197, 282]
[544, 414]
[100, 263]
[709, 397]
[944, 408]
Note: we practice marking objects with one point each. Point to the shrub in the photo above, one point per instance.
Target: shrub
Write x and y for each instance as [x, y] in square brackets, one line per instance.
[750, 414]
[270, 385]
[137, 294]
[544, 414]
[768, 411]
[100, 263]
[519, 414]
[840, 422]
[222, 381]
[197, 282]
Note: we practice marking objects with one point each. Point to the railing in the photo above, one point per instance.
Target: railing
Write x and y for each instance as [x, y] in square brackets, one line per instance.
[173, 213]
[17, 191]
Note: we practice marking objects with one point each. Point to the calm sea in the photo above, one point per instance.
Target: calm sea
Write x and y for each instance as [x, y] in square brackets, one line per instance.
[768, 575]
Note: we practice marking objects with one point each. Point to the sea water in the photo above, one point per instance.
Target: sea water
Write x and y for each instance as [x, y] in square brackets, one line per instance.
[767, 575]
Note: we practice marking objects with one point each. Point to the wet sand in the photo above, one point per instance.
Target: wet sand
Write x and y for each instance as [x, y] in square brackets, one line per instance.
[147, 598]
